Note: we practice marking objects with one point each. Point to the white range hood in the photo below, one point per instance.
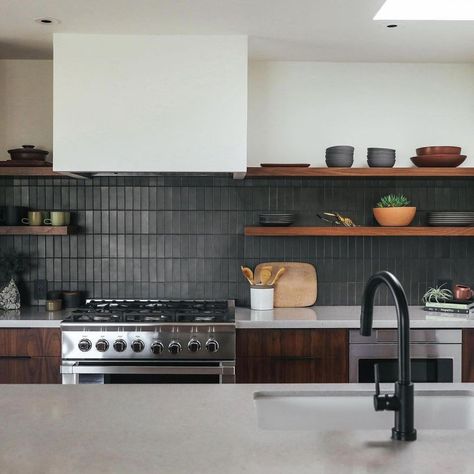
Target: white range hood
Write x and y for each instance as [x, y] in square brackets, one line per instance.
[138, 104]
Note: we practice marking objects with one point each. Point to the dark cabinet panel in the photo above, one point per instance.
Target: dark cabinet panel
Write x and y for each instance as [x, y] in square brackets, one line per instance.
[27, 370]
[468, 355]
[32, 342]
[292, 356]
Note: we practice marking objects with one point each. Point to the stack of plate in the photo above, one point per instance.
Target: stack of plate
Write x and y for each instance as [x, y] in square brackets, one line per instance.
[380, 157]
[450, 219]
[340, 156]
[277, 219]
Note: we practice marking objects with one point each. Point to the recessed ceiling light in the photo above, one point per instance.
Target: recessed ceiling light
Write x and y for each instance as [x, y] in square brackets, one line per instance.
[47, 21]
[453, 10]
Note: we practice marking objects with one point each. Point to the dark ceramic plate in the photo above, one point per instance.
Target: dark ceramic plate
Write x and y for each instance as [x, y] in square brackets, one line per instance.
[275, 224]
[285, 165]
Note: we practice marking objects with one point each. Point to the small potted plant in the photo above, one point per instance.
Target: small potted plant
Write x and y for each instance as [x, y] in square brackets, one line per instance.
[394, 210]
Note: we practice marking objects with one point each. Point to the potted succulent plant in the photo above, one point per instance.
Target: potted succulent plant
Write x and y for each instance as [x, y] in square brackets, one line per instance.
[12, 265]
[394, 210]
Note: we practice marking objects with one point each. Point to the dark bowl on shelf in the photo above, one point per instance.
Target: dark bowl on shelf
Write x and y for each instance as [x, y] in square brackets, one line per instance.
[28, 153]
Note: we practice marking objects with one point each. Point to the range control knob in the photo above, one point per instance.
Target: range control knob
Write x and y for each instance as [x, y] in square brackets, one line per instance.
[174, 347]
[102, 345]
[194, 345]
[137, 345]
[85, 345]
[120, 345]
[212, 345]
[157, 348]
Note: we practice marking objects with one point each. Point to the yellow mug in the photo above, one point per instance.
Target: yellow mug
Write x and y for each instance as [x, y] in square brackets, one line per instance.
[34, 218]
[58, 218]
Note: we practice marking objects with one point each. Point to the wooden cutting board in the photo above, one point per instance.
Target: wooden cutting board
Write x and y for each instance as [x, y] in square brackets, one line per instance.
[296, 288]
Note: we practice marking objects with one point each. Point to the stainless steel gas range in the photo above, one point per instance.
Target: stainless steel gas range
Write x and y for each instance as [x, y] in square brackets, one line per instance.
[149, 341]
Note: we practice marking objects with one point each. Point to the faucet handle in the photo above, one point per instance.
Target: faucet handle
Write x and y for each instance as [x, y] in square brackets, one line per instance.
[383, 402]
[380, 401]
[377, 379]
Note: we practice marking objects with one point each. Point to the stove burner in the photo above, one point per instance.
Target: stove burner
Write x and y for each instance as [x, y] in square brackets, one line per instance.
[154, 311]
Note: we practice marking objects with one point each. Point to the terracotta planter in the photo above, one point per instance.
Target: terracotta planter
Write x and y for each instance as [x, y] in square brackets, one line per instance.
[394, 216]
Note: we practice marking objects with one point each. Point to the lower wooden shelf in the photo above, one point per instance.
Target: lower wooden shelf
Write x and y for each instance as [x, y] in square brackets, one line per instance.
[359, 231]
[36, 230]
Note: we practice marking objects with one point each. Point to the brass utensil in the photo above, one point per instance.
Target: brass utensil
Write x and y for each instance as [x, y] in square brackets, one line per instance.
[248, 274]
[278, 275]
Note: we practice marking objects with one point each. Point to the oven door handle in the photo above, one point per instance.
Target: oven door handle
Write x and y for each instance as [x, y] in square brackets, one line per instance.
[164, 370]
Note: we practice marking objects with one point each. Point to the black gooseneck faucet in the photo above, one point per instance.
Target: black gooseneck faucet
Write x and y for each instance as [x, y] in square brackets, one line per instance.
[402, 401]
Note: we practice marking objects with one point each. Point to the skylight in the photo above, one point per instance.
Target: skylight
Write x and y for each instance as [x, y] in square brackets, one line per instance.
[453, 10]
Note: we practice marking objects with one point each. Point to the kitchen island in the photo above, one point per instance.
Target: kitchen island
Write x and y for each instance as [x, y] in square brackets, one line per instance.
[200, 428]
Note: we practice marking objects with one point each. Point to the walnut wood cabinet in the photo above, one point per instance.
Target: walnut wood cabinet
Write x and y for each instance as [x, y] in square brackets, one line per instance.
[468, 355]
[30, 355]
[292, 356]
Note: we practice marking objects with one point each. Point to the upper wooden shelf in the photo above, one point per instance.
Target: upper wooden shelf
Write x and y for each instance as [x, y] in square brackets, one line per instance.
[36, 230]
[359, 231]
[38, 171]
[256, 172]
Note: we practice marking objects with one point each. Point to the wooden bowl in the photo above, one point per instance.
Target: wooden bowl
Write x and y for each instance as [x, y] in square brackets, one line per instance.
[438, 161]
[437, 150]
[394, 216]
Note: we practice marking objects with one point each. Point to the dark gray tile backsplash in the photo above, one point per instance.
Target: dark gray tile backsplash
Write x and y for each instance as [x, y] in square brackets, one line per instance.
[182, 236]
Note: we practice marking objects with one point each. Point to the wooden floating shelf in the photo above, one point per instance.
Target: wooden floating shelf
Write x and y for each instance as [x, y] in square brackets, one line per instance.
[286, 172]
[36, 230]
[359, 231]
[38, 171]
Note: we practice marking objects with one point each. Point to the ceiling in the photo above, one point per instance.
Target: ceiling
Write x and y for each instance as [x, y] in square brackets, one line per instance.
[297, 30]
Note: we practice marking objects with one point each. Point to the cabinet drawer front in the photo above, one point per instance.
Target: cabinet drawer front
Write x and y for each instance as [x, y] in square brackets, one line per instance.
[25, 370]
[273, 370]
[291, 342]
[30, 342]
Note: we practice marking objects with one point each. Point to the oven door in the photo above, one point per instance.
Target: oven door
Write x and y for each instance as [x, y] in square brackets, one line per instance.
[128, 372]
[430, 363]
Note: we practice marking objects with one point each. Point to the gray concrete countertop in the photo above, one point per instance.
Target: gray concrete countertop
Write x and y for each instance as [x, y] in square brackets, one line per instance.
[344, 317]
[199, 428]
[32, 317]
[279, 318]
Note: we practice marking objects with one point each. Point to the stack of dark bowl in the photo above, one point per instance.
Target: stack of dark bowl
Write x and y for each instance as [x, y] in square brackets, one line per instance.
[341, 156]
[380, 157]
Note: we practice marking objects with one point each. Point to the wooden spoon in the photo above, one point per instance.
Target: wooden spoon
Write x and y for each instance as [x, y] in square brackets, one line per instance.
[265, 274]
[278, 275]
[248, 274]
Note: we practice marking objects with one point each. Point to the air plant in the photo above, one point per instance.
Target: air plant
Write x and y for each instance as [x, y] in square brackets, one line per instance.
[393, 200]
[437, 294]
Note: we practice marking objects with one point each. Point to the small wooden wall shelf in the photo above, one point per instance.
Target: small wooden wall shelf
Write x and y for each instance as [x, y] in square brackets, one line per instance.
[36, 230]
[38, 171]
[262, 172]
[359, 231]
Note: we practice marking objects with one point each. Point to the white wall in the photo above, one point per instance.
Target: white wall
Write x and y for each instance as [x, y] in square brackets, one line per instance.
[26, 104]
[150, 103]
[297, 109]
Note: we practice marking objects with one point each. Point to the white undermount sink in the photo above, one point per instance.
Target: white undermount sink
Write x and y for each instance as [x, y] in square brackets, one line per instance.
[345, 410]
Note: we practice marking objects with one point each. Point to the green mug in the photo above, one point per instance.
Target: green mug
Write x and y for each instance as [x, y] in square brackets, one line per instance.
[34, 218]
[58, 218]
